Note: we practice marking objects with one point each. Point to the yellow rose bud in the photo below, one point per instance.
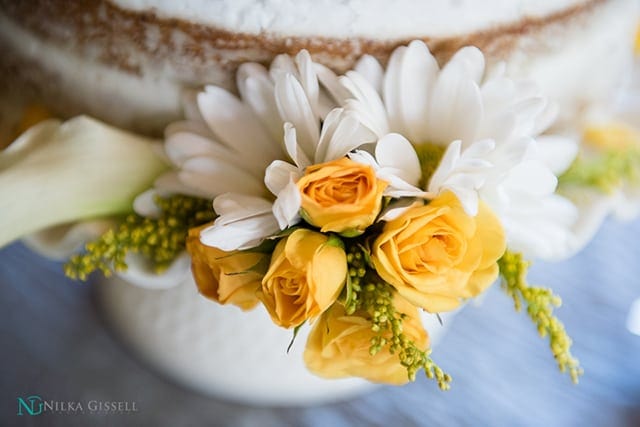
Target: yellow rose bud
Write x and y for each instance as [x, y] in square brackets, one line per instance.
[436, 255]
[305, 277]
[338, 345]
[341, 196]
[223, 276]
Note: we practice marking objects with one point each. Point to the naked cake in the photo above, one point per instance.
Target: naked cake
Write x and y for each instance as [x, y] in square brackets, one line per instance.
[128, 61]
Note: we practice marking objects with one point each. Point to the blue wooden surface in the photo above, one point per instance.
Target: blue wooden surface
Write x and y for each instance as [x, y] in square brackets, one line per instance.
[54, 343]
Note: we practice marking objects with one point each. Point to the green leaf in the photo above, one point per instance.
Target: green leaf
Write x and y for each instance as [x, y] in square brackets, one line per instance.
[335, 241]
[305, 216]
[285, 233]
[352, 232]
[293, 338]
[348, 289]
[261, 267]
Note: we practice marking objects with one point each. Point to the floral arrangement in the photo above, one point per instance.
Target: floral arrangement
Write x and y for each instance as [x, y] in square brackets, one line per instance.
[351, 203]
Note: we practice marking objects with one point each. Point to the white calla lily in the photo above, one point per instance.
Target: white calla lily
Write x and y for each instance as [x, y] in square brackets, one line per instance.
[76, 170]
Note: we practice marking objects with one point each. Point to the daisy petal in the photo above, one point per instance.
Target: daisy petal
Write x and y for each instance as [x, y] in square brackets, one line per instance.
[363, 157]
[526, 112]
[532, 178]
[331, 84]
[294, 108]
[481, 148]
[308, 78]
[256, 88]
[293, 149]
[395, 151]
[545, 118]
[366, 101]
[242, 234]
[419, 69]
[341, 133]
[233, 207]
[456, 107]
[282, 64]
[371, 70]
[182, 146]
[468, 199]
[397, 208]
[216, 177]
[145, 204]
[328, 129]
[557, 152]
[235, 124]
[449, 159]
[392, 90]
[470, 61]
[243, 222]
[278, 175]
[188, 126]
[169, 183]
[286, 208]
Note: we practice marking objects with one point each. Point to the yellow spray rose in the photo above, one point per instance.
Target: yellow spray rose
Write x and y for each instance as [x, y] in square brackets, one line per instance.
[305, 277]
[436, 254]
[224, 276]
[338, 345]
[341, 196]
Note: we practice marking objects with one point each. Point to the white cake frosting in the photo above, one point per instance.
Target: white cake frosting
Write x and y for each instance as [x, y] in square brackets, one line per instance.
[375, 19]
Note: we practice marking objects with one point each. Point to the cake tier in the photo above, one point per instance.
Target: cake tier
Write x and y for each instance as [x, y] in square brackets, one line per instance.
[127, 62]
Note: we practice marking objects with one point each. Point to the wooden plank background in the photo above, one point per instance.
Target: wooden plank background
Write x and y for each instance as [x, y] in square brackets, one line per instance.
[54, 343]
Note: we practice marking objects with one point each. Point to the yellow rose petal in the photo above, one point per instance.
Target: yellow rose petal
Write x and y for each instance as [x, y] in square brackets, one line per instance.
[305, 277]
[342, 196]
[338, 346]
[224, 277]
[436, 255]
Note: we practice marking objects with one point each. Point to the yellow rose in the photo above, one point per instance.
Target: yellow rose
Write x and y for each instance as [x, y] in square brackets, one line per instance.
[435, 255]
[224, 276]
[338, 345]
[341, 196]
[305, 277]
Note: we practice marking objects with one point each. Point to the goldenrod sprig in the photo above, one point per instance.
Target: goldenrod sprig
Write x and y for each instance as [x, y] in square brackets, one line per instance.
[367, 292]
[160, 239]
[540, 303]
[606, 172]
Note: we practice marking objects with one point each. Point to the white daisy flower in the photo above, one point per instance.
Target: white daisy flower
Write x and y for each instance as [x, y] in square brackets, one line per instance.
[222, 150]
[488, 128]
[227, 141]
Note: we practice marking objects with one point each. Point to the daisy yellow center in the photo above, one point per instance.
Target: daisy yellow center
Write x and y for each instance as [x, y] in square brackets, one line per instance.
[429, 155]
